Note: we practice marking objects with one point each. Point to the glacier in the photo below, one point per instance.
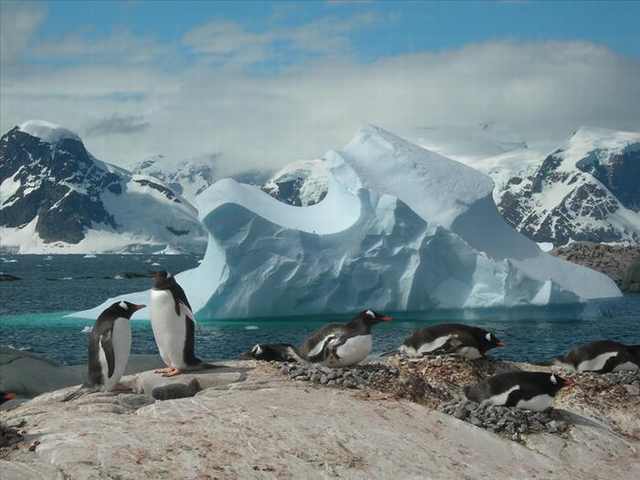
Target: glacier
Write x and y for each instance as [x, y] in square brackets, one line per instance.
[401, 228]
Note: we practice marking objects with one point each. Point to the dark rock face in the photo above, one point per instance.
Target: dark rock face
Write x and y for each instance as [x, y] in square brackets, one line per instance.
[289, 192]
[620, 174]
[631, 280]
[59, 183]
[161, 188]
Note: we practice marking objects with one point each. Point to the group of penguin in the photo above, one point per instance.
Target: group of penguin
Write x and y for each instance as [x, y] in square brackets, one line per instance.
[340, 345]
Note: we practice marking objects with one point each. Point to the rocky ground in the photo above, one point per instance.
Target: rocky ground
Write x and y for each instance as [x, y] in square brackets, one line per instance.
[437, 382]
[621, 263]
[394, 419]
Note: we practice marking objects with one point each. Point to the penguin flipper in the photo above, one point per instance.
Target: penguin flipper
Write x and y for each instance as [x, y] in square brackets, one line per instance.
[189, 344]
[106, 342]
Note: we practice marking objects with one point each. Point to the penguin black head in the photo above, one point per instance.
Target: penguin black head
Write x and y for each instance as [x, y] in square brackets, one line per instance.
[124, 309]
[162, 280]
[557, 382]
[281, 352]
[489, 341]
[371, 317]
[6, 396]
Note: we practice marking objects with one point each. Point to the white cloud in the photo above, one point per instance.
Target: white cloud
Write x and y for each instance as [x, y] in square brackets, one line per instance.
[18, 23]
[121, 46]
[229, 42]
[540, 90]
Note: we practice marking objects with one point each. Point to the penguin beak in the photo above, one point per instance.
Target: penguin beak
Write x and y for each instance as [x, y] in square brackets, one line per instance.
[9, 396]
[569, 382]
[500, 343]
[138, 307]
[385, 318]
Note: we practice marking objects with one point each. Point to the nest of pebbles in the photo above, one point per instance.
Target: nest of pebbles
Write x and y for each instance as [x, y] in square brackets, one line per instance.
[437, 382]
[510, 422]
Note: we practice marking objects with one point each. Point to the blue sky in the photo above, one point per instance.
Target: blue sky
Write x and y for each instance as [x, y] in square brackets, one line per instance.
[272, 82]
[403, 27]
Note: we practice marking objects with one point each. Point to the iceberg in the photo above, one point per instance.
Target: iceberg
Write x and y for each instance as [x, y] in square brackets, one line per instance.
[401, 228]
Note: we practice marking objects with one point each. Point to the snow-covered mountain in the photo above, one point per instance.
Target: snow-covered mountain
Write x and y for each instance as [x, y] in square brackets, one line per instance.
[400, 228]
[588, 189]
[56, 197]
[301, 184]
[189, 178]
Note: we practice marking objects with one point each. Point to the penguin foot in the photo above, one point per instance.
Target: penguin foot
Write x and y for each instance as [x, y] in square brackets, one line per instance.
[172, 372]
[163, 370]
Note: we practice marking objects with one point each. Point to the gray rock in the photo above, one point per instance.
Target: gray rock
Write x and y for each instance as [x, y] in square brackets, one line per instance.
[176, 390]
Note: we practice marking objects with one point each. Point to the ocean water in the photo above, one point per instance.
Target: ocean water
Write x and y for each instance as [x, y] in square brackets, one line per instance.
[32, 314]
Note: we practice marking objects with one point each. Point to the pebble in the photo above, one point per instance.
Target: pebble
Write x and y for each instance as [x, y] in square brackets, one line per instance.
[510, 421]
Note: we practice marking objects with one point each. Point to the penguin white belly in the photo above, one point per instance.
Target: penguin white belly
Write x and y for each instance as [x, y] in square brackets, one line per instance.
[351, 352]
[539, 403]
[470, 353]
[501, 398]
[434, 345]
[169, 329]
[626, 366]
[597, 363]
[121, 341]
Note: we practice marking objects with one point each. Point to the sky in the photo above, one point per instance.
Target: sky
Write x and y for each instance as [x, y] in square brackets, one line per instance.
[260, 84]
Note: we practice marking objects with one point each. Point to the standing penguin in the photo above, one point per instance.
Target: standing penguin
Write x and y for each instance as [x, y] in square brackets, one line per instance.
[110, 344]
[602, 356]
[527, 390]
[453, 338]
[173, 325]
[334, 345]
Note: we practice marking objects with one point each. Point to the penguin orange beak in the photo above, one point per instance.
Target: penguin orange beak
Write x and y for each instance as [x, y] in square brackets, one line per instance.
[9, 396]
[569, 382]
[386, 318]
[138, 307]
[500, 343]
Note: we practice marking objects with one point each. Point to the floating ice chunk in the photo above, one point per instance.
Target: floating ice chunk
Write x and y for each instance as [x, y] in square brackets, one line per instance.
[400, 228]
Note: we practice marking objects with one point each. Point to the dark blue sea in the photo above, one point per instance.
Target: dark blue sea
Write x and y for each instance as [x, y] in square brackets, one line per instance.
[33, 309]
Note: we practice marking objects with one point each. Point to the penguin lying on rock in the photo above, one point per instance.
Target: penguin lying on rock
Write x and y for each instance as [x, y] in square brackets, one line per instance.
[334, 345]
[602, 356]
[450, 338]
[527, 390]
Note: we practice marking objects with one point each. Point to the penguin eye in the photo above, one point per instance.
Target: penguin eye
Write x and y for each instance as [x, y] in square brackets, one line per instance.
[370, 313]
[553, 379]
[124, 305]
[488, 337]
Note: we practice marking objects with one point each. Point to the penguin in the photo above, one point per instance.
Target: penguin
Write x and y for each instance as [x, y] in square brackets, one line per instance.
[453, 338]
[334, 345]
[281, 352]
[173, 325]
[602, 356]
[6, 396]
[110, 344]
[526, 390]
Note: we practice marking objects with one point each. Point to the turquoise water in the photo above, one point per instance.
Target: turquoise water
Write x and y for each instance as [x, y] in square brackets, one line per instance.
[32, 314]
[531, 334]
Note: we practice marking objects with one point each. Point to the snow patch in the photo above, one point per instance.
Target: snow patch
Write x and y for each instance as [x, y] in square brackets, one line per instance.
[47, 131]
